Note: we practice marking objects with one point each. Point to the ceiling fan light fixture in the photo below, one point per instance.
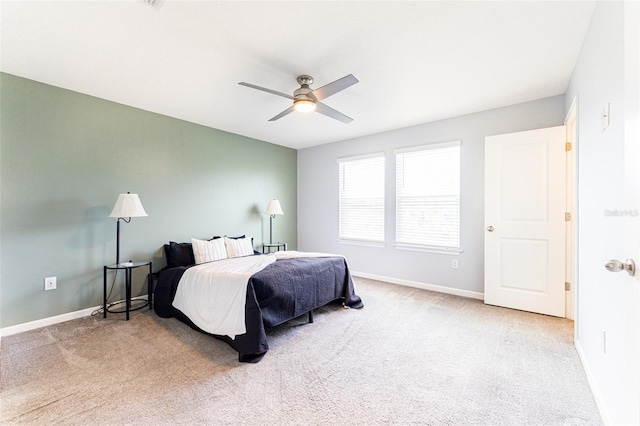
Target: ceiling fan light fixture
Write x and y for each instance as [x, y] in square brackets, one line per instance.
[304, 105]
[306, 99]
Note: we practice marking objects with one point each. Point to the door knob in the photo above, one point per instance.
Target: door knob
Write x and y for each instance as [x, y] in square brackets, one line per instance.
[490, 228]
[614, 265]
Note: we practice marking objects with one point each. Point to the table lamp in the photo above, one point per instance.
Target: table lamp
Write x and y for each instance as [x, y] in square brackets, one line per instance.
[127, 206]
[272, 210]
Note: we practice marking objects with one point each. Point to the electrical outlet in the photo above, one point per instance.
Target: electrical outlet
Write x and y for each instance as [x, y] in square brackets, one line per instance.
[50, 283]
[454, 263]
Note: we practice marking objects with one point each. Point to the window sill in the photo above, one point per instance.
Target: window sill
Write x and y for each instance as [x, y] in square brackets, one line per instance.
[379, 244]
[454, 251]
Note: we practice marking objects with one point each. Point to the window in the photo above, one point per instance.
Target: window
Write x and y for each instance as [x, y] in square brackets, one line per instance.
[361, 198]
[428, 197]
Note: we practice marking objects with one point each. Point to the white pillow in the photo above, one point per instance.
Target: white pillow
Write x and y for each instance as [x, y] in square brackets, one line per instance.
[238, 247]
[208, 251]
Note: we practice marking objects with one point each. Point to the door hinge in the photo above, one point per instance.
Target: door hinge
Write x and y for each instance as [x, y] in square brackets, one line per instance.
[567, 286]
[567, 146]
[567, 217]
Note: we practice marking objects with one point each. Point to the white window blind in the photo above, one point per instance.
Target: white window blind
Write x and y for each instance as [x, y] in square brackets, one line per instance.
[361, 198]
[428, 197]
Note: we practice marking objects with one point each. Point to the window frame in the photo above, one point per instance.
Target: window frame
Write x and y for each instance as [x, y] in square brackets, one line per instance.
[362, 241]
[431, 248]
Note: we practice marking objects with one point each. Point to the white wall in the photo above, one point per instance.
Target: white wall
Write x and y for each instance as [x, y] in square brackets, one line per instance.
[318, 194]
[599, 78]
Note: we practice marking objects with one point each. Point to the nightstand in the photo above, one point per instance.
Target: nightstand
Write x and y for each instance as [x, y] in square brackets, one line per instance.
[266, 248]
[127, 267]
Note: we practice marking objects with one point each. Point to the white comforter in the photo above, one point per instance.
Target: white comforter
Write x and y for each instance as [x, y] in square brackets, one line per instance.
[213, 294]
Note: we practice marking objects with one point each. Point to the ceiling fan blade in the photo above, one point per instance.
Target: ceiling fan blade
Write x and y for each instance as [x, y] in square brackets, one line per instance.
[283, 113]
[264, 89]
[333, 87]
[330, 112]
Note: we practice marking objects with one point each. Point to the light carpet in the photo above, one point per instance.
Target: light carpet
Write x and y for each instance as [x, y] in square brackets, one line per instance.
[410, 356]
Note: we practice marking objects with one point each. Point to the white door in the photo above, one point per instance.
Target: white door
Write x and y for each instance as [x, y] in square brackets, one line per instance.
[525, 179]
[620, 374]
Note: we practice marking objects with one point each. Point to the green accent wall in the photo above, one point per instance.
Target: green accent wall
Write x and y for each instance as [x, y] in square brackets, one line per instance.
[65, 157]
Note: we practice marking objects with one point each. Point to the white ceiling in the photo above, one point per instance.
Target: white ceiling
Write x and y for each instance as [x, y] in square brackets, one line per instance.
[416, 61]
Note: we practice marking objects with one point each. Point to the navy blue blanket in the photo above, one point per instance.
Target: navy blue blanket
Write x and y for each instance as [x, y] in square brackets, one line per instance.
[284, 290]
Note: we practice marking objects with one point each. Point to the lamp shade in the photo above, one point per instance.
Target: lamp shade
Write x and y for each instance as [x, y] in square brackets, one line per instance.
[128, 205]
[273, 208]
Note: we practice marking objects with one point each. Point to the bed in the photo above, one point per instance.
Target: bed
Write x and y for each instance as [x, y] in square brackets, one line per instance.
[285, 289]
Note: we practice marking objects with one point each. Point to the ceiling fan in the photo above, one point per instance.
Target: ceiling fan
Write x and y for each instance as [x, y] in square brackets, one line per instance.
[306, 99]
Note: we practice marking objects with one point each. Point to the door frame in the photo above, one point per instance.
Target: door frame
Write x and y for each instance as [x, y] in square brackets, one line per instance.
[571, 250]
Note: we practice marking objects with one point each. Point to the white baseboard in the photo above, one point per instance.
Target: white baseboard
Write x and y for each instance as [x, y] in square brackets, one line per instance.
[424, 286]
[597, 395]
[27, 326]
[32, 325]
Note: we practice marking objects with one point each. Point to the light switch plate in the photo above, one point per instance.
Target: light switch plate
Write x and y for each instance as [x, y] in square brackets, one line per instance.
[605, 116]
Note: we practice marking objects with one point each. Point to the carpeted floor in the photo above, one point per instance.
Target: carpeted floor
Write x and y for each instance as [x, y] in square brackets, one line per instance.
[409, 357]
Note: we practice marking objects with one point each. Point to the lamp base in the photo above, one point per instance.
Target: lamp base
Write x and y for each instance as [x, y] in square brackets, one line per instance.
[118, 241]
[271, 229]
